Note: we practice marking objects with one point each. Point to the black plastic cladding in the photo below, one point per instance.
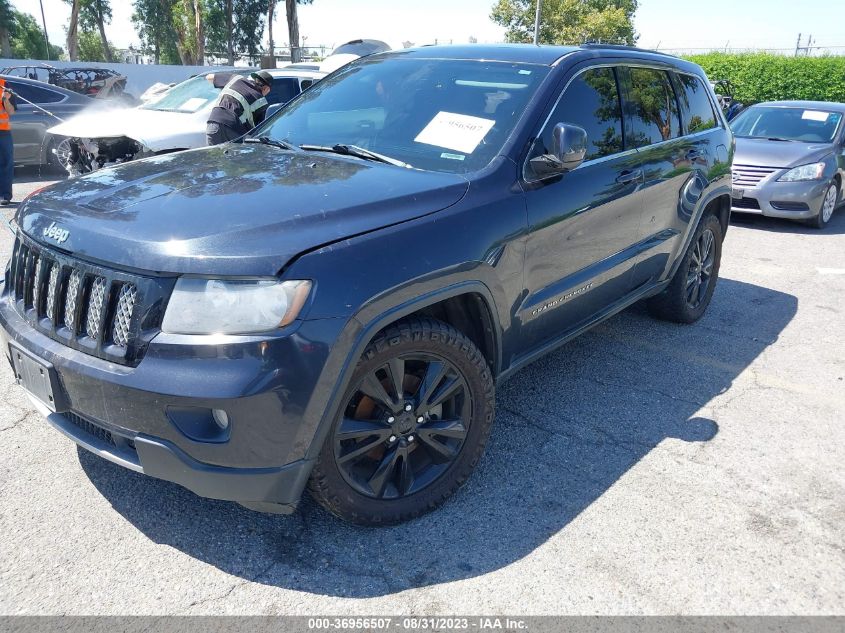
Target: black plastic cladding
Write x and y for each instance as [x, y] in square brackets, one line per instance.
[28, 284]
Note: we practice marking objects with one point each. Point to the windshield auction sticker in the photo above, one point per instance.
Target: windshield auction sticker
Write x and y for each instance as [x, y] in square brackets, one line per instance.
[814, 115]
[458, 132]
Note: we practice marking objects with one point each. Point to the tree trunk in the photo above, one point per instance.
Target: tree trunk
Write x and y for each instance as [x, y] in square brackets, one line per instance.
[101, 24]
[5, 43]
[200, 32]
[72, 35]
[230, 50]
[271, 7]
[293, 31]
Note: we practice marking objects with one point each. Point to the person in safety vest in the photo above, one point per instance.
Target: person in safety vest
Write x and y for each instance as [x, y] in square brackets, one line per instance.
[241, 105]
[7, 159]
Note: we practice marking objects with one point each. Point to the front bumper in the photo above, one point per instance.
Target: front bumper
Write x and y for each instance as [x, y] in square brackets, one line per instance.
[130, 415]
[790, 200]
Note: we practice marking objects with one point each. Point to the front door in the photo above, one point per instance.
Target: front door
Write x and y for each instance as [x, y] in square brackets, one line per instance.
[584, 223]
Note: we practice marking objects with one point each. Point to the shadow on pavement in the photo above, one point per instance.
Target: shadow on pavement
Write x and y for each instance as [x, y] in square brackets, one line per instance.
[38, 173]
[567, 428]
[836, 225]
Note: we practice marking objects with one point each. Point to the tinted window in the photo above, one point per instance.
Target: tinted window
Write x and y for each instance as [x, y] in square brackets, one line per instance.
[653, 107]
[591, 101]
[697, 105]
[35, 94]
[284, 89]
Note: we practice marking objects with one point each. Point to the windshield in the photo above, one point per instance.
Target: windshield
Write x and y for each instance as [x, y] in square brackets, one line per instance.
[442, 115]
[789, 124]
[189, 96]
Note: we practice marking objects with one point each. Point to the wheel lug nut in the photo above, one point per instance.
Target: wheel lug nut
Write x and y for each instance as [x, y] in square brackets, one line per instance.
[410, 438]
[392, 438]
[408, 407]
[391, 420]
[420, 420]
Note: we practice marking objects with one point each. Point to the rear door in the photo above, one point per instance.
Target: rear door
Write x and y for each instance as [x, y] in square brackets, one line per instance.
[675, 155]
[29, 124]
[582, 223]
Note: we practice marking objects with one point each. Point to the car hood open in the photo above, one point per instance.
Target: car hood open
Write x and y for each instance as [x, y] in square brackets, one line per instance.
[784, 154]
[155, 129]
[230, 209]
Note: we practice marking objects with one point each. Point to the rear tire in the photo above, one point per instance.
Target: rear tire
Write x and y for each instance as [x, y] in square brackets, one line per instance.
[686, 298]
[829, 201]
[380, 465]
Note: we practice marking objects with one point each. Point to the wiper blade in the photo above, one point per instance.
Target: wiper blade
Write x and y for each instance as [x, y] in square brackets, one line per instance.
[358, 152]
[266, 140]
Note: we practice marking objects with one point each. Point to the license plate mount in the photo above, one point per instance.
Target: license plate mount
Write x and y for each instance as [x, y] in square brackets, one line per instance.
[37, 377]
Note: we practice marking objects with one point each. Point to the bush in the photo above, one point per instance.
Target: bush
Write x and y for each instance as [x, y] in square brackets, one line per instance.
[765, 77]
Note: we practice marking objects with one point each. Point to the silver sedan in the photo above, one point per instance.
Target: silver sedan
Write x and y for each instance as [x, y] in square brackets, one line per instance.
[790, 160]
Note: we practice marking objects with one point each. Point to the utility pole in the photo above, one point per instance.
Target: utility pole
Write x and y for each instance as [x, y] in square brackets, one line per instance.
[537, 23]
[798, 45]
[44, 24]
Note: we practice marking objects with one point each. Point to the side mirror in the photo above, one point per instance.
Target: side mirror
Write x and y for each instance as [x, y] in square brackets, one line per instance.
[272, 109]
[569, 147]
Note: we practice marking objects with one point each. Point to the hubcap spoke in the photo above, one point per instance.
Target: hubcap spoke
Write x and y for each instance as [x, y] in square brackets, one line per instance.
[439, 452]
[444, 428]
[359, 429]
[378, 482]
[373, 388]
[358, 452]
[450, 386]
[406, 475]
[434, 375]
[396, 371]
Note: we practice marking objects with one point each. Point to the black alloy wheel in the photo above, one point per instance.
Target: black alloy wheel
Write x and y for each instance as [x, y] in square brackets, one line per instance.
[700, 270]
[403, 427]
[412, 426]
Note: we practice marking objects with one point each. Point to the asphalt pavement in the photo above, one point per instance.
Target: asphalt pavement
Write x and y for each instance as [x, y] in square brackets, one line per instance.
[644, 468]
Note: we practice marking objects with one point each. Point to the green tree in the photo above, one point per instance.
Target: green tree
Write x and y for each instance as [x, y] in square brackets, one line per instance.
[93, 15]
[568, 21]
[153, 20]
[91, 47]
[27, 38]
[6, 25]
[293, 28]
[235, 25]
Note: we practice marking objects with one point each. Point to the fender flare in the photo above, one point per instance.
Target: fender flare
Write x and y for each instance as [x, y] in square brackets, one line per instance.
[366, 332]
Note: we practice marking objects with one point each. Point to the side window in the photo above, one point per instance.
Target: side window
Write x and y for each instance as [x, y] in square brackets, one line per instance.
[35, 94]
[283, 90]
[305, 83]
[591, 101]
[653, 108]
[696, 103]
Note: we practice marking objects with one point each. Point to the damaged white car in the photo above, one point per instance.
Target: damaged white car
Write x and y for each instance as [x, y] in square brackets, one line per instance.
[172, 122]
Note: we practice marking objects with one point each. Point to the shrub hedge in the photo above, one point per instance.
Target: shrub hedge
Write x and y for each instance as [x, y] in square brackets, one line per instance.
[765, 77]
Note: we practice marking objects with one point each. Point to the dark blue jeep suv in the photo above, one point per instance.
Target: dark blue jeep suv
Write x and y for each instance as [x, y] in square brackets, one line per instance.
[330, 302]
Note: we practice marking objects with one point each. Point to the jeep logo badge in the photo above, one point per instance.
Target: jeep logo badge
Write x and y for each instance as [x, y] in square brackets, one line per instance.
[54, 232]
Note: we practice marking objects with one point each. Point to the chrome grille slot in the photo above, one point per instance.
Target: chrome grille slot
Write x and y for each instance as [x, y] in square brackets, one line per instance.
[123, 314]
[750, 175]
[100, 311]
[74, 289]
[96, 303]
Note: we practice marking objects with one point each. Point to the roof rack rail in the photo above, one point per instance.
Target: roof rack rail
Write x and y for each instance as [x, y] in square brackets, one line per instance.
[623, 47]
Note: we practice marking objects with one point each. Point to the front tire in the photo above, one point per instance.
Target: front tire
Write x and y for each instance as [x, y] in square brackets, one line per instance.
[411, 429]
[686, 298]
[829, 200]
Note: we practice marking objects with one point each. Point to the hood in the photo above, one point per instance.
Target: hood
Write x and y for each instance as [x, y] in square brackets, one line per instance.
[784, 154]
[155, 129]
[229, 210]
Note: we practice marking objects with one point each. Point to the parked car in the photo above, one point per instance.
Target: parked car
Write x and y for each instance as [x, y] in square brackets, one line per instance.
[790, 160]
[102, 83]
[33, 145]
[173, 121]
[331, 302]
[724, 90]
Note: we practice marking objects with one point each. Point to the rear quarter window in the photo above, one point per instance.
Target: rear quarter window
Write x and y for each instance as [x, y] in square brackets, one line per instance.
[653, 108]
[35, 94]
[696, 104]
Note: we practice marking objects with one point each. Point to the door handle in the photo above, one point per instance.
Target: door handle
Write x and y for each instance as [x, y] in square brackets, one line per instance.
[628, 176]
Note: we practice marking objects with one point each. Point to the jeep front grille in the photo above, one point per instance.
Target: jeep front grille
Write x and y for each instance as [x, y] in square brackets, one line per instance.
[100, 311]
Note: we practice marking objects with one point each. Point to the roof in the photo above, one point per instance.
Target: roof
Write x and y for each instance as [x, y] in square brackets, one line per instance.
[831, 106]
[516, 53]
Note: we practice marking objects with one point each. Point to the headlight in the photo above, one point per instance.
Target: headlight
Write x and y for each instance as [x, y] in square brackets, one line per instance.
[813, 171]
[214, 306]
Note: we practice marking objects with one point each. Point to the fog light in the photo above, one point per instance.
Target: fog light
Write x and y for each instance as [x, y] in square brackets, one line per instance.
[221, 418]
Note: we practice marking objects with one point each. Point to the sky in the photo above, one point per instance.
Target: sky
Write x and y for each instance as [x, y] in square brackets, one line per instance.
[669, 24]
